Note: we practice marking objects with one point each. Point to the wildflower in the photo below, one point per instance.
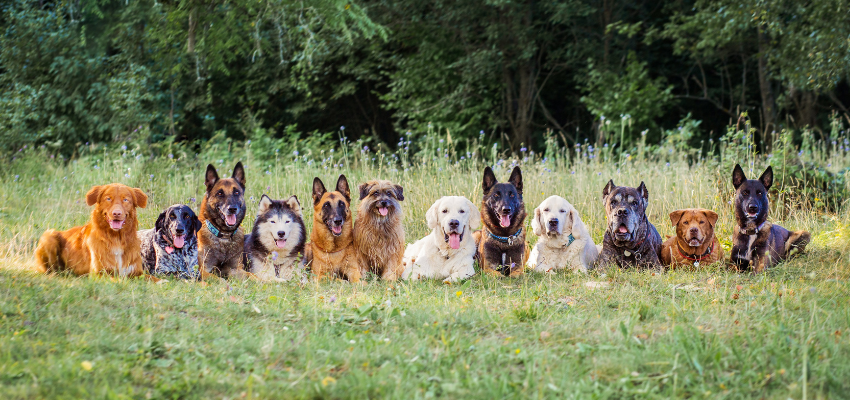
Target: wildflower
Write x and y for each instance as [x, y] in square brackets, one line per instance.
[342, 128]
[96, 167]
[252, 198]
[124, 147]
[268, 172]
[171, 156]
[274, 255]
[812, 290]
[86, 365]
[17, 176]
[598, 173]
[459, 293]
[268, 188]
[332, 150]
[151, 177]
[332, 299]
[572, 173]
[602, 118]
[828, 165]
[126, 175]
[248, 142]
[191, 199]
[295, 153]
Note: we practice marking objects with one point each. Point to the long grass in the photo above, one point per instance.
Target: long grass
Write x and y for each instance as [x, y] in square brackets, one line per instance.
[699, 333]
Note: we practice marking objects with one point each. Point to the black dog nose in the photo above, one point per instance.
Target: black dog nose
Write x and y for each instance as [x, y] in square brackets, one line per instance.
[232, 210]
[622, 212]
[752, 209]
[383, 203]
[506, 210]
[179, 231]
[338, 221]
[454, 223]
[553, 222]
[281, 233]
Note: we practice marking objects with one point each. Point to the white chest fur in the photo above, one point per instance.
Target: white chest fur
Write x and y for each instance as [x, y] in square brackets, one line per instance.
[118, 253]
[749, 254]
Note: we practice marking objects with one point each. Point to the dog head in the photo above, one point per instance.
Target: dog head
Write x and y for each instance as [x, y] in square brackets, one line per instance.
[626, 211]
[694, 225]
[278, 220]
[751, 202]
[555, 216]
[224, 201]
[332, 208]
[116, 205]
[381, 199]
[453, 217]
[503, 201]
[177, 223]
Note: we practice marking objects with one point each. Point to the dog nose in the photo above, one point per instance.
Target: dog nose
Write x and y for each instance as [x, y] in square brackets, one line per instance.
[179, 231]
[383, 203]
[454, 224]
[752, 209]
[116, 213]
[623, 212]
[506, 210]
[694, 230]
[553, 222]
[232, 210]
[338, 221]
[281, 234]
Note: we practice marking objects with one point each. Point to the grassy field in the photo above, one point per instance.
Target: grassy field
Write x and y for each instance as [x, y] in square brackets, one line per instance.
[687, 333]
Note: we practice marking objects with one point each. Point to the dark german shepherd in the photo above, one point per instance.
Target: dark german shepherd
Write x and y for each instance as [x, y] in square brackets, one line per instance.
[221, 240]
[757, 243]
[501, 243]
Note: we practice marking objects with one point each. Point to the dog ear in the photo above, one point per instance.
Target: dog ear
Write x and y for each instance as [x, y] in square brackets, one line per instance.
[342, 187]
[738, 177]
[364, 189]
[516, 179]
[318, 190]
[93, 195]
[211, 177]
[399, 192]
[644, 193]
[294, 205]
[767, 178]
[474, 216]
[431, 217]
[196, 223]
[712, 217]
[265, 203]
[676, 216]
[141, 199]
[239, 174]
[489, 180]
[536, 224]
[160, 221]
[608, 189]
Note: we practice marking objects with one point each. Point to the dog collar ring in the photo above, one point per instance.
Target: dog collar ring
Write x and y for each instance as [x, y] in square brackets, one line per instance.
[695, 258]
[505, 239]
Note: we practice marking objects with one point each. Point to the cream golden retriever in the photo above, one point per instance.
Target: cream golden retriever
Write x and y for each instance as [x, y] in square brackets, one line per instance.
[449, 251]
[563, 239]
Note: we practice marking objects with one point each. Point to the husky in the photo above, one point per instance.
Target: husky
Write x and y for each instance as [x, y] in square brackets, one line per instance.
[275, 246]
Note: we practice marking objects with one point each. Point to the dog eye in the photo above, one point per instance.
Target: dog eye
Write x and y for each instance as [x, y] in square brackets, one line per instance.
[634, 203]
[186, 216]
[287, 222]
[172, 216]
[272, 222]
[563, 211]
[445, 211]
[461, 211]
[236, 193]
[109, 199]
[701, 222]
[220, 193]
[746, 193]
[758, 192]
[512, 195]
[545, 210]
[375, 193]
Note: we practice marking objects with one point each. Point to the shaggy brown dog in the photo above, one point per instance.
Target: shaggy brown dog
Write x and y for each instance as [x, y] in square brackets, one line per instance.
[694, 243]
[378, 234]
[331, 249]
[107, 243]
[221, 240]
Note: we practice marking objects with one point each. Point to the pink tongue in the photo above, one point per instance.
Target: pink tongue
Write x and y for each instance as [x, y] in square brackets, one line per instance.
[454, 241]
[116, 224]
[179, 241]
[505, 221]
[383, 211]
[337, 229]
[279, 243]
[231, 219]
[623, 229]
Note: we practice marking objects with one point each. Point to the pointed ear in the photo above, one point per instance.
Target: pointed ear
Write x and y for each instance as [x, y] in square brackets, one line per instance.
[211, 177]
[644, 192]
[93, 195]
[364, 189]
[342, 187]
[738, 177]
[265, 203]
[294, 205]
[431, 217]
[608, 189]
[160, 221]
[318, 190]
[767, 178]
[399, 192]
[676, 216]
[516, 179]
[239, 174]
[474, 216]
[141, 199]
[489, 180]
[536, 224]
[712, 217]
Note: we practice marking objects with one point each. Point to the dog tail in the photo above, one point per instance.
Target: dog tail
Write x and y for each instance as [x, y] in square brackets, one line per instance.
[47, 254]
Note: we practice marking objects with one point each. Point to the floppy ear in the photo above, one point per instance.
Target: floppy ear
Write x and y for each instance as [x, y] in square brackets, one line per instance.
[265, 203]
[239, 174]
[738, 176]
[536, 224]
[767, 178]
[93, 194]
[211, 177]
[342, 187]
[160, 221]
[644, 192]
[489, 180]
[399, 192]
[712, 217]
[516, 179]
[676, 216]
[364, 189]
[318, 190]
[474, 216]
[196, 223]
[608, 189]
[294, 205]
[141, 199]
[431, 217]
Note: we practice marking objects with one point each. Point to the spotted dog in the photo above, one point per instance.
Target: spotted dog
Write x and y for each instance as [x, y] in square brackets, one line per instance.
[171, 247]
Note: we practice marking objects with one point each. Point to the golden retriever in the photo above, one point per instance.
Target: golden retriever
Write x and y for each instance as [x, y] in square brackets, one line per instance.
[563, 240]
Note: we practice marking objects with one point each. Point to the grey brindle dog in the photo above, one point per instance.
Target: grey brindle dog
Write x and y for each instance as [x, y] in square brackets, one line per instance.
[171, 247]
[630, 240]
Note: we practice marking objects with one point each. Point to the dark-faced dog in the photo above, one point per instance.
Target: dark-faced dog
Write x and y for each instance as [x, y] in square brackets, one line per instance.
[378, 234]
[757, 243]
[221, 239]
[171, 247]
[276, 244]
[630, 240]
[501, 243]
[331, 249]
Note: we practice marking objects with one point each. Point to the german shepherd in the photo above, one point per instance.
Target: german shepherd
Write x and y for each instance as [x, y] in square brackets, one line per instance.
[757, 243]
[221, 240]
[331, 249]
[501, 243]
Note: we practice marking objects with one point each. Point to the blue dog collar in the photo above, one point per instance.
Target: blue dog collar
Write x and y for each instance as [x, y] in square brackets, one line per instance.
[506, 239]
[572, 239]
[213, 229]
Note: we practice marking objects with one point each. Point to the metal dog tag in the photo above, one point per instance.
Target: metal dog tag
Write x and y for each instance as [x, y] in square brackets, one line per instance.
[696, 264]
[627, 253]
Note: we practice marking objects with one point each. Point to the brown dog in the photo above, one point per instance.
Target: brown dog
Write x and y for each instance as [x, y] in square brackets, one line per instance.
[107, 243]
[378, 234]
[501, 243]
[221, 240]
[694, 243]
[331, 249]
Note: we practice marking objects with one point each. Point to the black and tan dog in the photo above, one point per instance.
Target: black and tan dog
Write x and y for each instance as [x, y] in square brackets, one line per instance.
[221, 239]
[630, 240]
[378, 234]
[501, 243]
[331, 250]
[757, 243]
[171, 247]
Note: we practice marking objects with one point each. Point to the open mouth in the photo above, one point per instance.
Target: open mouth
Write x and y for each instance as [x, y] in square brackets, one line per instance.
[454, 239]
[179, 241]
[280, 243]
[752, 215]
[505, 220]
[383, 211]
[116, 224]
[622, 232]
[336, 230]
[230, 219]
[694, 242]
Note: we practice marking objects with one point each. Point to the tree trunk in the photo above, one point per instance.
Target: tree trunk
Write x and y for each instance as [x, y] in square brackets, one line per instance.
[519, 102]
[768, 101]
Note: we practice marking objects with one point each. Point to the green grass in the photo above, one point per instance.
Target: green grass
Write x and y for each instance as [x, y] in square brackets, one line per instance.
[688, 333]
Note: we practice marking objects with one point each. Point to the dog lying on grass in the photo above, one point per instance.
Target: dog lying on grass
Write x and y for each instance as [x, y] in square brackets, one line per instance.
[564, 241]
[501, 243]
[630, 240]
[171, 247]
[378, 234]
[331, 250]
[275, 246]
[221, 239]
[694, 243]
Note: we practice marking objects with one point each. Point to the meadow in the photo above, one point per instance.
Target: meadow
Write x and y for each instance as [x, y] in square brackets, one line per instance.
[704, 333]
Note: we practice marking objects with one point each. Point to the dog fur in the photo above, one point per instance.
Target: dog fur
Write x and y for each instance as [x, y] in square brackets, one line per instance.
[553, 223]
[757, 243]
[502, 214]
[630, 240]
[171, 247]
[452, 220]
[695, 243]
[107, 243]
[223, 208]
[275, 246]
[379, 238]
[331, 250]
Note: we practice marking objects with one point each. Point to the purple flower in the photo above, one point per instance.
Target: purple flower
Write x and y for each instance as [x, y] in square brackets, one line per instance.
[268, 188]
[522, 149]
[342, 128]
[295, 153]
[332, 299]
[124, 147]
[171, 156]
[191, 199]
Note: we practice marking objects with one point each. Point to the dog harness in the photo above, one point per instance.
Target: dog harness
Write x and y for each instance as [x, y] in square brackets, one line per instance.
[508, 239]
[695, 258]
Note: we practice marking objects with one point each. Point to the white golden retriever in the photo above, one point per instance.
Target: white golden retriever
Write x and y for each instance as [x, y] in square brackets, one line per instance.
[449, 251]
[563, 239]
